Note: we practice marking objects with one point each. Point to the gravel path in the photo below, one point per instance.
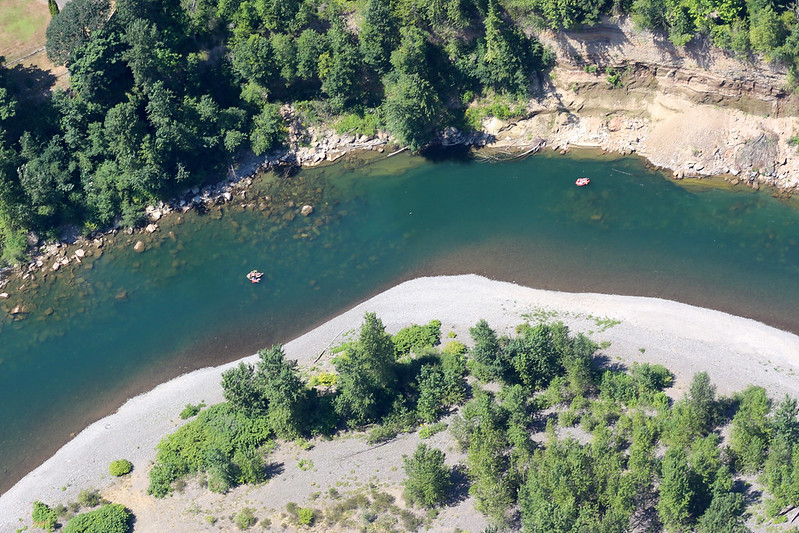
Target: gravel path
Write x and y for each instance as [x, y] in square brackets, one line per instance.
[733, 350]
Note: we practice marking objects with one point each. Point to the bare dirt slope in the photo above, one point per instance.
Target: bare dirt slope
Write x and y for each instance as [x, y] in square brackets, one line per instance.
[696, 110]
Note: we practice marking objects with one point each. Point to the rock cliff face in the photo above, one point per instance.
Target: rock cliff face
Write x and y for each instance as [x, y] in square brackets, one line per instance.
[698, 71]
[696, 111]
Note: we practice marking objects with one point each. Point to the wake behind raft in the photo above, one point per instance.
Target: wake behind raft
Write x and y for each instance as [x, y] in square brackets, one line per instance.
[254, 276]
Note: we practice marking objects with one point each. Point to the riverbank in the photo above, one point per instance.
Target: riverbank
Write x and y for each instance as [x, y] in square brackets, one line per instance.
[694, 111]
[734, 351]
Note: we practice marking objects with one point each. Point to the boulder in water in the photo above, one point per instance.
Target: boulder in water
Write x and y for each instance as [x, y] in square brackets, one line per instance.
[306, 210]
[139, 246]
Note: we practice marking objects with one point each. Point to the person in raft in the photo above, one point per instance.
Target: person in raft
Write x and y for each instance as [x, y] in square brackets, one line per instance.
[255, 276]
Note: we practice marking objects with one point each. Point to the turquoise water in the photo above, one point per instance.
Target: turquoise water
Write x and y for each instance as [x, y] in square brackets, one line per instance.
[96, 336]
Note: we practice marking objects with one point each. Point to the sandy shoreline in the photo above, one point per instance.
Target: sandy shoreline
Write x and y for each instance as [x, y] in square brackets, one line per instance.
[735, 351]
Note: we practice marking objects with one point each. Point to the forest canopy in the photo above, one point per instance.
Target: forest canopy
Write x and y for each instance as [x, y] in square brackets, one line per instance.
[165, 95]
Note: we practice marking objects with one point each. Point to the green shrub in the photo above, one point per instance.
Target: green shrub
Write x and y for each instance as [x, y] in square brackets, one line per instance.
[305, 464]
[111, 518]
[89, 498]
[454, 348]
[613, 78]
[220, 429]
[428, 477]
[494, 106]
[245, 519]
[381, 433]
[191, 410]
[428, 431]
[568, 418]
[415, 337]
[354, 124]
[43, 516]
[305, 516]
[120, 467]
[324, 379]
[14, 244]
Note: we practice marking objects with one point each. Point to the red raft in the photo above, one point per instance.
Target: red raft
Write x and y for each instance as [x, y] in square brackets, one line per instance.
[582, 182]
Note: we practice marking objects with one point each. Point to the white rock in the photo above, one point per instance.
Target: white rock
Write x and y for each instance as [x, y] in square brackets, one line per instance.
[151, 228]
[306, 210]
[80, 253]
[3, 295]
[56, 266]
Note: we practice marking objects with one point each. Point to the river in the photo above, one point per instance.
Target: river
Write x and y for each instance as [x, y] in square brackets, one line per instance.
[126, 321]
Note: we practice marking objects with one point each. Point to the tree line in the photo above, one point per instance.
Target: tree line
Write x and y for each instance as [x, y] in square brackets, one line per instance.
[564, 444]
[166, 94]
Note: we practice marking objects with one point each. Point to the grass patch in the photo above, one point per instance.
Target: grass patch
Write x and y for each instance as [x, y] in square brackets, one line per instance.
[494, 105]
[354, 124]
[428, 431]
[22, 26]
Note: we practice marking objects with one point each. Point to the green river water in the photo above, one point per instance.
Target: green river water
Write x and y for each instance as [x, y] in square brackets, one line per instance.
[96, 335]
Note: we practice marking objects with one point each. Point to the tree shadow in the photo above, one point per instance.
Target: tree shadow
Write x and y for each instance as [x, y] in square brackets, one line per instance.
[750, 494]
[604, 362]
[437, 153]
[460, 485]
[28, 82]
[273, 470]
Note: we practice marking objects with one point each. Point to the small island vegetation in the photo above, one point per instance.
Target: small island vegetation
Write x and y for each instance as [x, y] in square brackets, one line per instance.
[120, 467]
[553, 437]
[166, 95]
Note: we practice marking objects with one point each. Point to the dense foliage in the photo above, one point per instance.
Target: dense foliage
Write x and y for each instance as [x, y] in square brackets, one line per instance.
[228, 442]
[43, 516]
[428, 479]
[165, 95]
[111, 518]
[120, 467]
[616, 452]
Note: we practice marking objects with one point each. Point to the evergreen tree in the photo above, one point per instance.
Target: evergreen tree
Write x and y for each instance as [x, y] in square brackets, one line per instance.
[751, 429]
[674, 504]
[378, 35]
[486, 352]
[428, 479]
[367, 374]
[284, 391]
